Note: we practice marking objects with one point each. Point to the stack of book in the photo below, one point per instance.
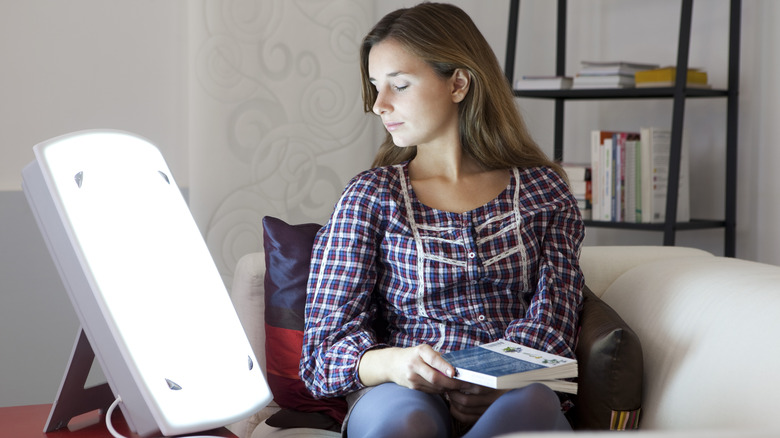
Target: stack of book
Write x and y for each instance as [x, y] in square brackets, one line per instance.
[580, 186]
[629, 176]
[543, 83]
[610, 74]
[665, 77]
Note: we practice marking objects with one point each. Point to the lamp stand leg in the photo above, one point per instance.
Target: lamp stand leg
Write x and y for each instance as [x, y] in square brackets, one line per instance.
[73, 398]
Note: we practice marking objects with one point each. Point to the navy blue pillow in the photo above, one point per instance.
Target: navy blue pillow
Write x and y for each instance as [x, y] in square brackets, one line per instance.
[287, 259]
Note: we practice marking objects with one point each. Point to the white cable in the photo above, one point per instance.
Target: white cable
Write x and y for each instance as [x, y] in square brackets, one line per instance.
[116, 434]
[110, 426]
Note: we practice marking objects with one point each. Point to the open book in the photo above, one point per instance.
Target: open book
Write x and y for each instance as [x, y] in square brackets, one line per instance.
[504, 365]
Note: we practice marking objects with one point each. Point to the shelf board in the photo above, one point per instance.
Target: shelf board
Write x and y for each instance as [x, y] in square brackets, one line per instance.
[619, 93]
[694, 224]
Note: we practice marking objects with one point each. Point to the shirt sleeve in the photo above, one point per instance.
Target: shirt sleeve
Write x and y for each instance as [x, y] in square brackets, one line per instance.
[339, 306]
[552, 316]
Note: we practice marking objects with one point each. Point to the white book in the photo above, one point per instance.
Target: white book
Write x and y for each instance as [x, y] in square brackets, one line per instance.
[632, 194]
[595, 175]
[599, 204]
[575, 172]
[607, 180]
[606, 81]
[504, 365]
[614, 67]
[543, 83]
[618, 148]
[656, 145]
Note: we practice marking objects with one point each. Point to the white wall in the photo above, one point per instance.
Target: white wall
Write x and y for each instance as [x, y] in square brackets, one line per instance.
[86, 64]
[276, 122]
[239, 95]
[68, 66]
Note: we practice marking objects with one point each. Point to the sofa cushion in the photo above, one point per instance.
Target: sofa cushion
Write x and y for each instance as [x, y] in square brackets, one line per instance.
[287, 256]
[610, 369]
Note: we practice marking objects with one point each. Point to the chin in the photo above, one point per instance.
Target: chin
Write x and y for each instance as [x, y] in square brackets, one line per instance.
[403, 144]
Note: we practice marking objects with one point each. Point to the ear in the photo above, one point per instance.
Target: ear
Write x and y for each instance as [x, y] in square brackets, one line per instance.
[461, 81]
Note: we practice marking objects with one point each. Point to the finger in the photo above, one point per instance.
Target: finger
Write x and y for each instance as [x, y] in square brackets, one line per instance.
[435, 361]
[474, 402]
[420, 375]
[471, 388]
[467, 402]
[435, 379]
[462, 416]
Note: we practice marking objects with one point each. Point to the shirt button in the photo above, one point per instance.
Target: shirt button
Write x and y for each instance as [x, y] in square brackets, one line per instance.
[481, 318]
[472, 255]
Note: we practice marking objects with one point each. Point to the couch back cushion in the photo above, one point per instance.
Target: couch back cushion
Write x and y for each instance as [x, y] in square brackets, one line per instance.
[709, 328]
[601, 265]
[288, 254]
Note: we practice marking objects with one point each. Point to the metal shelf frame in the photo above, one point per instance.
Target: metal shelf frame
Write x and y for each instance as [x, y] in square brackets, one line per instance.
[677, 93]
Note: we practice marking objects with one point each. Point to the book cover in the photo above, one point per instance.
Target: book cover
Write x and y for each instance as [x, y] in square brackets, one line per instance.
[668, 75]
[580, 185]
[607, 180]
[590, 68]
[575, 171]
[670, 84]
[504, 365]
[603, 81]
[622, 176]
[615, 67]
[633, 194]
[598, 201]
[656, 144]
[618, 164]
[543, 83]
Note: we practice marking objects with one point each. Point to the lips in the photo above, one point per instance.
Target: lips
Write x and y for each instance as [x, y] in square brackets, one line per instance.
[392, 126]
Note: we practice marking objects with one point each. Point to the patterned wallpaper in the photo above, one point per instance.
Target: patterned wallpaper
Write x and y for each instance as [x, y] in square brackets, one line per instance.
[276, 125]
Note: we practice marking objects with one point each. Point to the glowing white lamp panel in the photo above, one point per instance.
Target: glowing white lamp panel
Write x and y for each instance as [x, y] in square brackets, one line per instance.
[152, 281]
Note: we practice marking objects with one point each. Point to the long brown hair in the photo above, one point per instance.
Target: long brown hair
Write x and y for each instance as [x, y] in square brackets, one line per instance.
[443, 35]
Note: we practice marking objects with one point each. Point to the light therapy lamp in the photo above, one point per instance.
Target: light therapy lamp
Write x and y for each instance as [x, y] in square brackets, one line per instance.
[153, 308]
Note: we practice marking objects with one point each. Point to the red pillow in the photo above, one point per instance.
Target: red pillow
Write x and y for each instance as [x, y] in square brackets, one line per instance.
[287, 259]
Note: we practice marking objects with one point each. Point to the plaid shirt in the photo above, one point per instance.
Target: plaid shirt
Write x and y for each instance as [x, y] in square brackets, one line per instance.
[387, 270]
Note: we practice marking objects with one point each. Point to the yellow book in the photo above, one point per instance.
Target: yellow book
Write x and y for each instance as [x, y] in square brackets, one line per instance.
[667, 75]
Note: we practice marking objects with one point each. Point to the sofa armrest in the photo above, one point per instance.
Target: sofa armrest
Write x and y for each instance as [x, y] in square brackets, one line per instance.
[248, 295]
[602, 265]
[610, 364]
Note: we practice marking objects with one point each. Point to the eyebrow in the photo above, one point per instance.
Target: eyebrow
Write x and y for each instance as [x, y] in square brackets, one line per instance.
[390, 75]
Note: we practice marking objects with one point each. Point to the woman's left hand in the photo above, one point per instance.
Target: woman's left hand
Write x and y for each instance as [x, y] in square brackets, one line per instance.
[471, 401]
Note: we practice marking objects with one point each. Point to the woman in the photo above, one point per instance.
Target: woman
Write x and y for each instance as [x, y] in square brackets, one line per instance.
[464, 232]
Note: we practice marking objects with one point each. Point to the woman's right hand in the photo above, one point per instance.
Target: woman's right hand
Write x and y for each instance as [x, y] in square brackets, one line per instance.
[420, 367]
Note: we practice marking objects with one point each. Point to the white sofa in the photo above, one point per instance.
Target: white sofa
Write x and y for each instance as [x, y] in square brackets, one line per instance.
[709, 329]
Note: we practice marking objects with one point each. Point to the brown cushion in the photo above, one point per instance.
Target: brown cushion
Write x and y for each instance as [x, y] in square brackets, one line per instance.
[610, 369]
[287, 258]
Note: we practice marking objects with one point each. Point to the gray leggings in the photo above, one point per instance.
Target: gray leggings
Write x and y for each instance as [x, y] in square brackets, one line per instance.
[390, 410]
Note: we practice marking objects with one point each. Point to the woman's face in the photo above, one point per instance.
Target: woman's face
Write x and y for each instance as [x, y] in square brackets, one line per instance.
[416, 105]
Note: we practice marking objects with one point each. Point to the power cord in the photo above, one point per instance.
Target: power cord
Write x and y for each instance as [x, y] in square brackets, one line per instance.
[116, 434]
[110, 411]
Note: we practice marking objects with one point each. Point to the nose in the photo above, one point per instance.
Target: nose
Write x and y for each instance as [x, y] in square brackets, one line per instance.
[381, 105]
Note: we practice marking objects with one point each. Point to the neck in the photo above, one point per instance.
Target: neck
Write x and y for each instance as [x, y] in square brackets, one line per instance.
[447, 162]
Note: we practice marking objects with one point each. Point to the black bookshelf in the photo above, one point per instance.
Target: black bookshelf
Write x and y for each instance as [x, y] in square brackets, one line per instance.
[678, 94]
[620, 93]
